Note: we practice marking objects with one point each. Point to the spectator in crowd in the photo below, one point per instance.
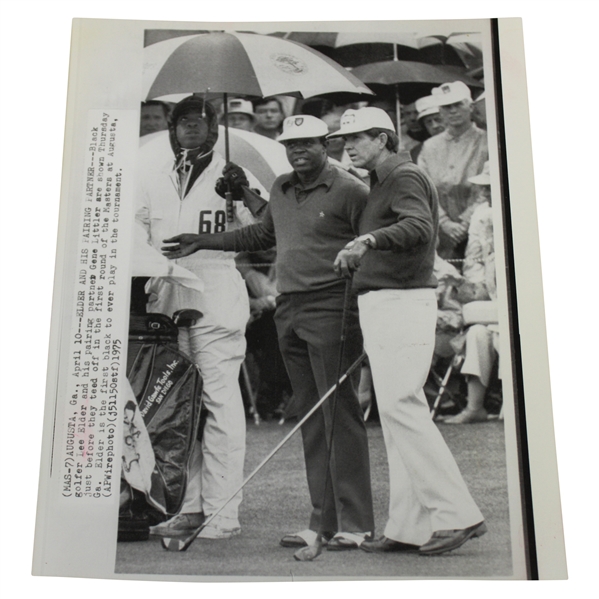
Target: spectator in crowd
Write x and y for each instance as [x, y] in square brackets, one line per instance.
[430, 508]
[154, 117]
[313, 212]
[450, 159]
[240, 114]
[413, 127]
[180, 197]
[428, 115]
[479, 294]
[269, 117]
[426, 108]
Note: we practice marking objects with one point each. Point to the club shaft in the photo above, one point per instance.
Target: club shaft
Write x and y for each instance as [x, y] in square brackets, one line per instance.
[344, 317]
[341, 380]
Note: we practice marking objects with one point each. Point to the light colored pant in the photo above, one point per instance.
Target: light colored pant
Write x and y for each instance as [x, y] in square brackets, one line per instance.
[427, 491]
[217, 345]
[482, 347]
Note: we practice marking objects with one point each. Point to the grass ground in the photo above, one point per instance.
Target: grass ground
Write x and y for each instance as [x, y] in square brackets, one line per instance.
[276, 502]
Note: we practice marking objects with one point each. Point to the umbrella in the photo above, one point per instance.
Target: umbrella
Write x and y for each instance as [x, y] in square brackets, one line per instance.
[264, 158]
[397, 72]
[244, 64]
[353, 48]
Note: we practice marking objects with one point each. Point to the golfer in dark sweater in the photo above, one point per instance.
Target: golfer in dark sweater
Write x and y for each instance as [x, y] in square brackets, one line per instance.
[313, 213]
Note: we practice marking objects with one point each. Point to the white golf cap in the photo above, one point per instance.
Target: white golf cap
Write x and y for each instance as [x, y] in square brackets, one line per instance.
[302, 126]
[238, 105]
[450, 93]
[364, 119]
[484, 177]
[427, 105]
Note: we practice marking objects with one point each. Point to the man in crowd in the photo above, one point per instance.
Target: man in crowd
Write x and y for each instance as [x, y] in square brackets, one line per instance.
[269, 117]
[430, 508]
[429, 119]
[450, 159]
[428, 115]
[154, 117]
[240, 114]
[180, 197]
[313, 212]
[478, 293]
[413, 127]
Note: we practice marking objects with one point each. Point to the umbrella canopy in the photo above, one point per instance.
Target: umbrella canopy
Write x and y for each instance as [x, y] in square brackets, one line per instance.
[242, 63]
[264, 158]
[354, 48]
[393, 72]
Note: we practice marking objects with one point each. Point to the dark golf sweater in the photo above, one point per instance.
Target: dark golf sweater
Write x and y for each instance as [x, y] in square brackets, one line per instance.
[402, 214]
[309, 226]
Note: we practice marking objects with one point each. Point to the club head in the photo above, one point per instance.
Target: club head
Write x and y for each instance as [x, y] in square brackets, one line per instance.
[171, 544]
[308, 553]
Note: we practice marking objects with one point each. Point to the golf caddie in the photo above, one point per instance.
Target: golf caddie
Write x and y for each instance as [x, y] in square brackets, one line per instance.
[184, 192]
[312, 214]
[430, 508]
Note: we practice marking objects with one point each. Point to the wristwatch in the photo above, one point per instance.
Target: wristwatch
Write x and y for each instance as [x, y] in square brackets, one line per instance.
[368, 240]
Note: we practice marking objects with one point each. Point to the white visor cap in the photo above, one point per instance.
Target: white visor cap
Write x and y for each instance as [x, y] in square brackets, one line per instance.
[303, 126]
[450, 93]
[364, 119]
[240, 106]
[426, 106]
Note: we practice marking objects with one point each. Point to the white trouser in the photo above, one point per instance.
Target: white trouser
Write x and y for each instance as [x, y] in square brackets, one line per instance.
[217, 345]
[427, 492]
[481, 350]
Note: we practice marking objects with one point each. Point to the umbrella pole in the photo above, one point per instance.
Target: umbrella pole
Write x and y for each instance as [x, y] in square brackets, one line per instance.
[398, 113]
[226, 107]
[228, 194]
[397, 104]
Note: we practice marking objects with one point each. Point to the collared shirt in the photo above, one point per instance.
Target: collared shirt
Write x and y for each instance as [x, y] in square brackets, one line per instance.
[309, 225]
[402, 216]
[293, 187]
[450, 161]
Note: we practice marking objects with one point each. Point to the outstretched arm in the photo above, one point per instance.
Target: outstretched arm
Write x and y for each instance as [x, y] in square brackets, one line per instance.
[189, 243]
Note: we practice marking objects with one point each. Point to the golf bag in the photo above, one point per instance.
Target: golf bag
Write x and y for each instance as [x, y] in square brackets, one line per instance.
[167, 387]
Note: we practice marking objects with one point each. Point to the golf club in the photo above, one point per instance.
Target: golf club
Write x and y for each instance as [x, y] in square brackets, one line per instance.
[179, 544]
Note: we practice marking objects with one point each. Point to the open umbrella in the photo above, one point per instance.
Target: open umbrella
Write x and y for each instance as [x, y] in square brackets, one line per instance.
[439, 45]
[245, 64]
[264, 158]
[398, 72]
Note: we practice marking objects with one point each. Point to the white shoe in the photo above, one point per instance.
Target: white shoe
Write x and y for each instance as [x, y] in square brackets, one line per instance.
[216, 532]
[179, 525]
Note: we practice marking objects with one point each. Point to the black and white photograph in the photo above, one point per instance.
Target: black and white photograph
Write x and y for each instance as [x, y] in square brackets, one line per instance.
[295, 333]
[261, 156]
